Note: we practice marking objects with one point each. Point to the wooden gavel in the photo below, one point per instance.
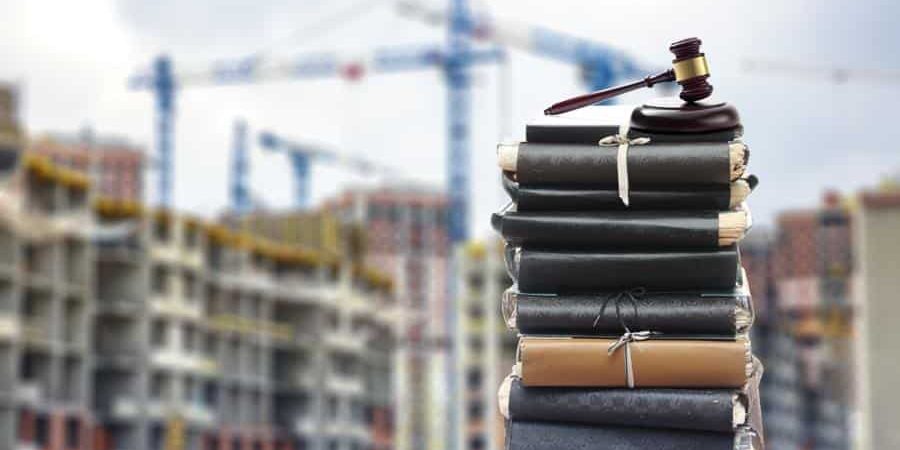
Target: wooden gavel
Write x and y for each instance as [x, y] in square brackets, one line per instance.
[689, 69]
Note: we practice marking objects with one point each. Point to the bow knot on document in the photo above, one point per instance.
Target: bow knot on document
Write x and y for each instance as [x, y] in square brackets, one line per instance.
[630, 296]
[621, 140]
[625, 340]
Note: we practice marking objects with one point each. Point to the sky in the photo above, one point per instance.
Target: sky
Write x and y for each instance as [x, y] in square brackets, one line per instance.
[807, 132]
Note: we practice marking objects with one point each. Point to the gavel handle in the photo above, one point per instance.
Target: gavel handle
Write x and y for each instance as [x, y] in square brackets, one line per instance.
[605, 94]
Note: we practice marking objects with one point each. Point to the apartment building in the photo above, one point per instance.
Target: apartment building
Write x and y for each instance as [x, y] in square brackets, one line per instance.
[800, 278]
[405, 234]
[246, 344]
[877, 221]
[486, 346]
[115, 165]
[46, 305]
[813, 260]
[321, 231]
[774, 344]
[124, 328]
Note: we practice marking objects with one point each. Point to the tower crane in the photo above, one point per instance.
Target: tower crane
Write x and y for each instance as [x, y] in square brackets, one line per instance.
[302, 155]
[601, 67]
[239, 192]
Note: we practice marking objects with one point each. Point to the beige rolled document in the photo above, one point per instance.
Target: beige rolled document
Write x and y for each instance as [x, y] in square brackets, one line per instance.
[589, 362]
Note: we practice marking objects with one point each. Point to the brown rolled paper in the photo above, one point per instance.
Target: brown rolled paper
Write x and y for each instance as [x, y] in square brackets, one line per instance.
[656, 363]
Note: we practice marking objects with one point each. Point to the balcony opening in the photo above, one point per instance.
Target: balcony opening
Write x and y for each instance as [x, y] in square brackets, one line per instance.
[76, 262]
[162, 229]
[40, 197]
[39, 259]
[74, 321]
[73, 379]
[7, 249]
[160, 280]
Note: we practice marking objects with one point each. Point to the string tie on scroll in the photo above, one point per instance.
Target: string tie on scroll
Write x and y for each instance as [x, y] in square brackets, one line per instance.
[625, 340]
[629, 296]
[622, 142]
[628, 337]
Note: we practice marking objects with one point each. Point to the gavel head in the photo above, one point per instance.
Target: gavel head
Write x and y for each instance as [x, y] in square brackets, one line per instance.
[691, 70]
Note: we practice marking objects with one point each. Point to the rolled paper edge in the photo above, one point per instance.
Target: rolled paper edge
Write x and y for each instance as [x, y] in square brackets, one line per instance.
[750, 363]
[503, 395]
[732, 227]
[743, 439]
[747, 297]
[737, 156]
[508, 307]
[743, 319]
[740, 190]
[512, 256]
[739, 410]
[508, 156]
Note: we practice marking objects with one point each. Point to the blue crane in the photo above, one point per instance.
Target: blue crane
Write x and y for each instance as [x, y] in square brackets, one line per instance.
[302, 155]
[601, 66]
[241, 202]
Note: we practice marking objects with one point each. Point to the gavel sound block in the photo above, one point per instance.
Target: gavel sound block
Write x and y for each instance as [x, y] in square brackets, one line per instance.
[717, 121]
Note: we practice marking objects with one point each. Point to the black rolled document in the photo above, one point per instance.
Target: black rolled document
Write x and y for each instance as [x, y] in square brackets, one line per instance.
[560, 272]
[604, 314]
[522, 435]
[621, 229]
[651, 165]
[717, 410]
[588, 198]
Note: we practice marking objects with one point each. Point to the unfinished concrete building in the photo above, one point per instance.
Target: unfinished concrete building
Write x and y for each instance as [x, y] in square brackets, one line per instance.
[46, 305]
[123, 328]
[486, 345]
[405, 233]
[212, 339]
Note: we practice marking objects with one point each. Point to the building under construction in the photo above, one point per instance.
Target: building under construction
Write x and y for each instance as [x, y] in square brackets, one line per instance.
[485, 345]
[801, 280]
[405, 231]
[47, 291]
[126, 328]
[115, 166]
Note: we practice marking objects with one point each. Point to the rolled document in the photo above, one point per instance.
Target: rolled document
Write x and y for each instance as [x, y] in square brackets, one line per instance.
[620, 229]
[706, 313]
[649, 166]
[655, 362]
[587, 198]
[718, 410]
[569, 271]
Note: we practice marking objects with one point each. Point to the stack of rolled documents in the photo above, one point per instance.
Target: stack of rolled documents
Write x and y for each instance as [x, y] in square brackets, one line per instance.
[629, 297]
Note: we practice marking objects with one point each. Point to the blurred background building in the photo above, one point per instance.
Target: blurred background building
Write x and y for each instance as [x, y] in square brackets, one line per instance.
[876, 222]
[166, 331]
[115, 165]
[486, 346]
